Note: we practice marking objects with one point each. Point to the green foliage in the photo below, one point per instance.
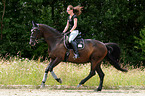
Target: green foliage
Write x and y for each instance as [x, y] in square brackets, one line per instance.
[141, 43]
[105, 20]
[40, 50]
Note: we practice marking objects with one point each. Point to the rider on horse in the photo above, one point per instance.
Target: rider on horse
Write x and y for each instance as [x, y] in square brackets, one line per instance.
[72, 23]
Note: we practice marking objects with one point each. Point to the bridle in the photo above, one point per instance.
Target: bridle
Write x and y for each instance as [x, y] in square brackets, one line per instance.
[33, 38]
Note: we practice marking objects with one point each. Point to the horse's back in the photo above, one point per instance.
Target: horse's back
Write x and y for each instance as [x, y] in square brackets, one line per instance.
[95, 47]
[94, 43]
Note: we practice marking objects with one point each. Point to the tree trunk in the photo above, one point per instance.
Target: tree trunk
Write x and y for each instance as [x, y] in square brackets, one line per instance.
[52, 9]
[3, 1]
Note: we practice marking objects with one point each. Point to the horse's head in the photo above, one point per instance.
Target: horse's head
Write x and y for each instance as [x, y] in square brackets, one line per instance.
[41, 30]
[35, 33]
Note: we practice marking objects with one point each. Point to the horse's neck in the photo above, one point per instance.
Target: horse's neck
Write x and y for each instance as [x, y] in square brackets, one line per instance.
[52, 42]
[51, 36]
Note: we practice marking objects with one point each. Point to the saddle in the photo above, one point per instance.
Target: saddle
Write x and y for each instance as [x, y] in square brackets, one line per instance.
[79, 40]
[80, 44]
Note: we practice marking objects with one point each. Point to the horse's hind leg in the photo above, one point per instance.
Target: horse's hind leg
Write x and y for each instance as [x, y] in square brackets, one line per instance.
[92, 73]
[101, 75]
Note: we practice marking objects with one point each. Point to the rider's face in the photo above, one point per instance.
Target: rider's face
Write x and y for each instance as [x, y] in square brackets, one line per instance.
[69, 11]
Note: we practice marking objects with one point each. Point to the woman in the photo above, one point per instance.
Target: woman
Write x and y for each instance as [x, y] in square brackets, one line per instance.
[72, 23]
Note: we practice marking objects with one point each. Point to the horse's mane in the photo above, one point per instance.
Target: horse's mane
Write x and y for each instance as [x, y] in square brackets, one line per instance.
[48, 27]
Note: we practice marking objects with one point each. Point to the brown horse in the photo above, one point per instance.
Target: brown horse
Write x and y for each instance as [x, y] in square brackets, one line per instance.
[93, 52]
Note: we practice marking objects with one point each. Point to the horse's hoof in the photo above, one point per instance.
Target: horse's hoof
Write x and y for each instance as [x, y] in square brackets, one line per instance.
[78, 85]
[98, 89]
[42, 85]
[59, 80]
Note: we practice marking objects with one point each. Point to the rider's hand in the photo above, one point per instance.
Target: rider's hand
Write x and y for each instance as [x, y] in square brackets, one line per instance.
[68, 32]
[63, 33]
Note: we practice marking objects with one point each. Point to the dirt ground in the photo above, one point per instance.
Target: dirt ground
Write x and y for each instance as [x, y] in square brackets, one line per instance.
[63, 90]
[48, 92]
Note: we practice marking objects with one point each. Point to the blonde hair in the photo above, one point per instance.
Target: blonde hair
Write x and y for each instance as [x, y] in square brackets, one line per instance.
[77, 10]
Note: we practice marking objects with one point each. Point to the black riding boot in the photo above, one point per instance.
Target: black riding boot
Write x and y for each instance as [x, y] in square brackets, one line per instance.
[74, 45]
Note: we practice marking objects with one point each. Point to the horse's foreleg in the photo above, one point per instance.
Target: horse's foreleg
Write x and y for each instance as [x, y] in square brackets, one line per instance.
[45, 74]
[57, 61]
[50, 67]
[101, 75]
[55, 77]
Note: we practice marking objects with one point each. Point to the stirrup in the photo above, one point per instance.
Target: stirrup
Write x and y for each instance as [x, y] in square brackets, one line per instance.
[76, 56]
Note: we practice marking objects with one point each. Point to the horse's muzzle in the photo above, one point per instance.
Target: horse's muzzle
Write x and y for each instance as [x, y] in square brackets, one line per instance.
[32, 43]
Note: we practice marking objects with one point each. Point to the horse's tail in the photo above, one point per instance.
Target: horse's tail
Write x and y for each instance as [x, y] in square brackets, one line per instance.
[113, 55]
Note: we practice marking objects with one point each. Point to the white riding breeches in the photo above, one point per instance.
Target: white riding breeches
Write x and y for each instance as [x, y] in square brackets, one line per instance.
[73, 35]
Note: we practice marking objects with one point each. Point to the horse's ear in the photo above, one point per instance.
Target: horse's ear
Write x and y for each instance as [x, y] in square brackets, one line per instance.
[34, 24]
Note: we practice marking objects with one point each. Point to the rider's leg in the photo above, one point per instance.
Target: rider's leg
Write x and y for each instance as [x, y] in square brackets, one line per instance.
[72, 36]
[74, 45]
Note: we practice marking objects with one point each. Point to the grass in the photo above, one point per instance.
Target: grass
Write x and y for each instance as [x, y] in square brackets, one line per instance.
[17, 71]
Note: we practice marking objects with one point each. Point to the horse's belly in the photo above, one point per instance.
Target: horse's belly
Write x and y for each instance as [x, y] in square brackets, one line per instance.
[78, 60]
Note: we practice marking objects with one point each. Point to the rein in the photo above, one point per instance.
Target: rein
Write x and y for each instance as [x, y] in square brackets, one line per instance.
[36, 31]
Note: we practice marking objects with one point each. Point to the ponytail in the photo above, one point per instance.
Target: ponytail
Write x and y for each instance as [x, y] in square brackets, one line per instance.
[77, 10]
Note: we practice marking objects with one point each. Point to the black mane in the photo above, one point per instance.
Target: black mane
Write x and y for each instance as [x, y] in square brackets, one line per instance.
[52, 29]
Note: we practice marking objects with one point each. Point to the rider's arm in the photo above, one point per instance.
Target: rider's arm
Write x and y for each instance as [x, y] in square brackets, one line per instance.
[66, 27]
[75, 24]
